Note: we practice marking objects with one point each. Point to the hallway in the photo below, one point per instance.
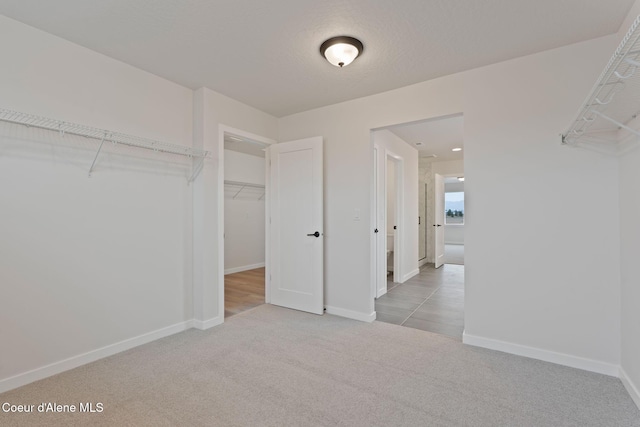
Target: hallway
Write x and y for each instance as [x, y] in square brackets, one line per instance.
[432, 301]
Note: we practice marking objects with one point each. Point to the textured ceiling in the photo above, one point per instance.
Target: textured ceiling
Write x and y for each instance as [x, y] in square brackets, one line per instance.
[436, 137]
[265, 52]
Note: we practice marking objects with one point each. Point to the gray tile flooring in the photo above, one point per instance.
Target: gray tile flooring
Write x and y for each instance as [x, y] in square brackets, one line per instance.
[432, 301]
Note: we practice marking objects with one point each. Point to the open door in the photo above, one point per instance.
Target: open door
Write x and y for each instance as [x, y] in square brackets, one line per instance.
[296, 230]
[439, 220]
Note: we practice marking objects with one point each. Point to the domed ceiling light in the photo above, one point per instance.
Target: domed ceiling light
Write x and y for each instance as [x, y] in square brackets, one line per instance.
[341, 50]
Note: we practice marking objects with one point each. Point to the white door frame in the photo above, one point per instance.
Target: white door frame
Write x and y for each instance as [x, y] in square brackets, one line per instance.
[222, 129]
[399, 211]
[375, 236]
[379, 219]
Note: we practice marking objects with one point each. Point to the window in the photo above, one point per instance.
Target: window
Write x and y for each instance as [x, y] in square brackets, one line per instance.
[454, 207]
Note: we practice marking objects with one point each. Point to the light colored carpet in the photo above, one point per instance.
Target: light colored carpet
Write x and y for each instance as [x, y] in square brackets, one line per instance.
[454, 254]
[276, 367]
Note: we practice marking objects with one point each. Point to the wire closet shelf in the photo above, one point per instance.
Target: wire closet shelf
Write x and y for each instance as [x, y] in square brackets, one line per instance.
[608, 119]
[243, 190]
[103, 135]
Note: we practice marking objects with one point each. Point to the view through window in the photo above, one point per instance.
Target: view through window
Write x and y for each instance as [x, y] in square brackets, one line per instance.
[454, 207]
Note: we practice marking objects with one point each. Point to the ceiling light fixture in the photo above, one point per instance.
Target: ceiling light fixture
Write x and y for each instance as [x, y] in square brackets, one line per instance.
[456, 149]
[341, 50]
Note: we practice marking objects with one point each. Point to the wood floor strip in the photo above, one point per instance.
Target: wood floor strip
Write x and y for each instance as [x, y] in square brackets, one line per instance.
[243, 291]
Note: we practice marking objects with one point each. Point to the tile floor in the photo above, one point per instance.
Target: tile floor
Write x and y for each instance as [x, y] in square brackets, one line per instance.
[432, 301]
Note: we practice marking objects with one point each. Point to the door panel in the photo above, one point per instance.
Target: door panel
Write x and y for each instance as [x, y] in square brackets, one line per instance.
[297, 277]
[439, 220]
[422, 224]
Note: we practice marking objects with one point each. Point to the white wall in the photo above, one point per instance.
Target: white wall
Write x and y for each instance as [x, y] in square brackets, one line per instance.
[244, 215]
[454, 234]
[551, 291]
[630, 268]
[87, 262]
[390, 145]
[629, 199]
[555, 281]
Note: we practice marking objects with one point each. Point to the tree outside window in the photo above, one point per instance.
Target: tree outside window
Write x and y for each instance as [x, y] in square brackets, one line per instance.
[454, 207]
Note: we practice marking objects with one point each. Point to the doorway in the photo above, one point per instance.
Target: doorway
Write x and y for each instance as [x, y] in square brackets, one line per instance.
[432, 300]
[244, 205]
[388, 218]
[454, 219]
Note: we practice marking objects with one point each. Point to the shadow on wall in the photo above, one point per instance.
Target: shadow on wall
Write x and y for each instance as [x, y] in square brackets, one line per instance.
[42, 145]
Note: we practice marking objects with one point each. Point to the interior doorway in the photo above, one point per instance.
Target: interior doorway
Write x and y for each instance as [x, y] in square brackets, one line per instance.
[394, 191]
[388, 218]
[454, 219]
[433, 299]
[245, 201]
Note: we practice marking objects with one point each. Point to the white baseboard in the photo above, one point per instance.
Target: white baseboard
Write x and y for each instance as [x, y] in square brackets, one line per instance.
[207, 324]
[351, 314]
[634, 392]
[410, 275]
[422, 262]
[545, 355]
[243, 268]
[90, 356]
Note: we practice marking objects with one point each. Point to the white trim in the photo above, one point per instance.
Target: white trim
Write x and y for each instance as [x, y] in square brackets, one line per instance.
[410, 274]
[90, 356]
[422, 262]
[398, 241]
[209, 323]
[545, 355]
[630, 386]
[243, 268]
[374, 239]
[351, 314]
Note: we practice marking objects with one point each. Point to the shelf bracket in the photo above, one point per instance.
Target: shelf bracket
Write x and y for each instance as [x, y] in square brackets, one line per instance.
[617, 123]
[241, 188]
[95, 159]
[196, 170]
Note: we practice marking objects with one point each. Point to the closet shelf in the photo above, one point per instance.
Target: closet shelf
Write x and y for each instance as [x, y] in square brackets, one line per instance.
[104, 135]
[243, 190]
[608, 119]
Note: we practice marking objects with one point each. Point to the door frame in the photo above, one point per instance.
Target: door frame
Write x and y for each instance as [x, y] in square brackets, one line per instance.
[399, 211]
[222, 129]
[380, 156]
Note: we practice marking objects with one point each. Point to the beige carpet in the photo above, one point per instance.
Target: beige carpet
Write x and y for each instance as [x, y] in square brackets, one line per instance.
[276, 367]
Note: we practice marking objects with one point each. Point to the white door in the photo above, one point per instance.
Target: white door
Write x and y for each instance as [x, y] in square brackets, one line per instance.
[439, 221]
[380, 272]
[296, 238]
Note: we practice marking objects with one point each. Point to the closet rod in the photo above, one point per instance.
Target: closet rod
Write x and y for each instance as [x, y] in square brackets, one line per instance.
[243, 184]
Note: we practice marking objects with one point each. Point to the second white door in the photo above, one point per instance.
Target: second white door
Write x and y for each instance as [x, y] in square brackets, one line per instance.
[296, 229]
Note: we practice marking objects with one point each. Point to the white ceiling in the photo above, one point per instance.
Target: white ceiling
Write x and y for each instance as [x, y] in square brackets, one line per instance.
[434, 137]
[265, 53]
